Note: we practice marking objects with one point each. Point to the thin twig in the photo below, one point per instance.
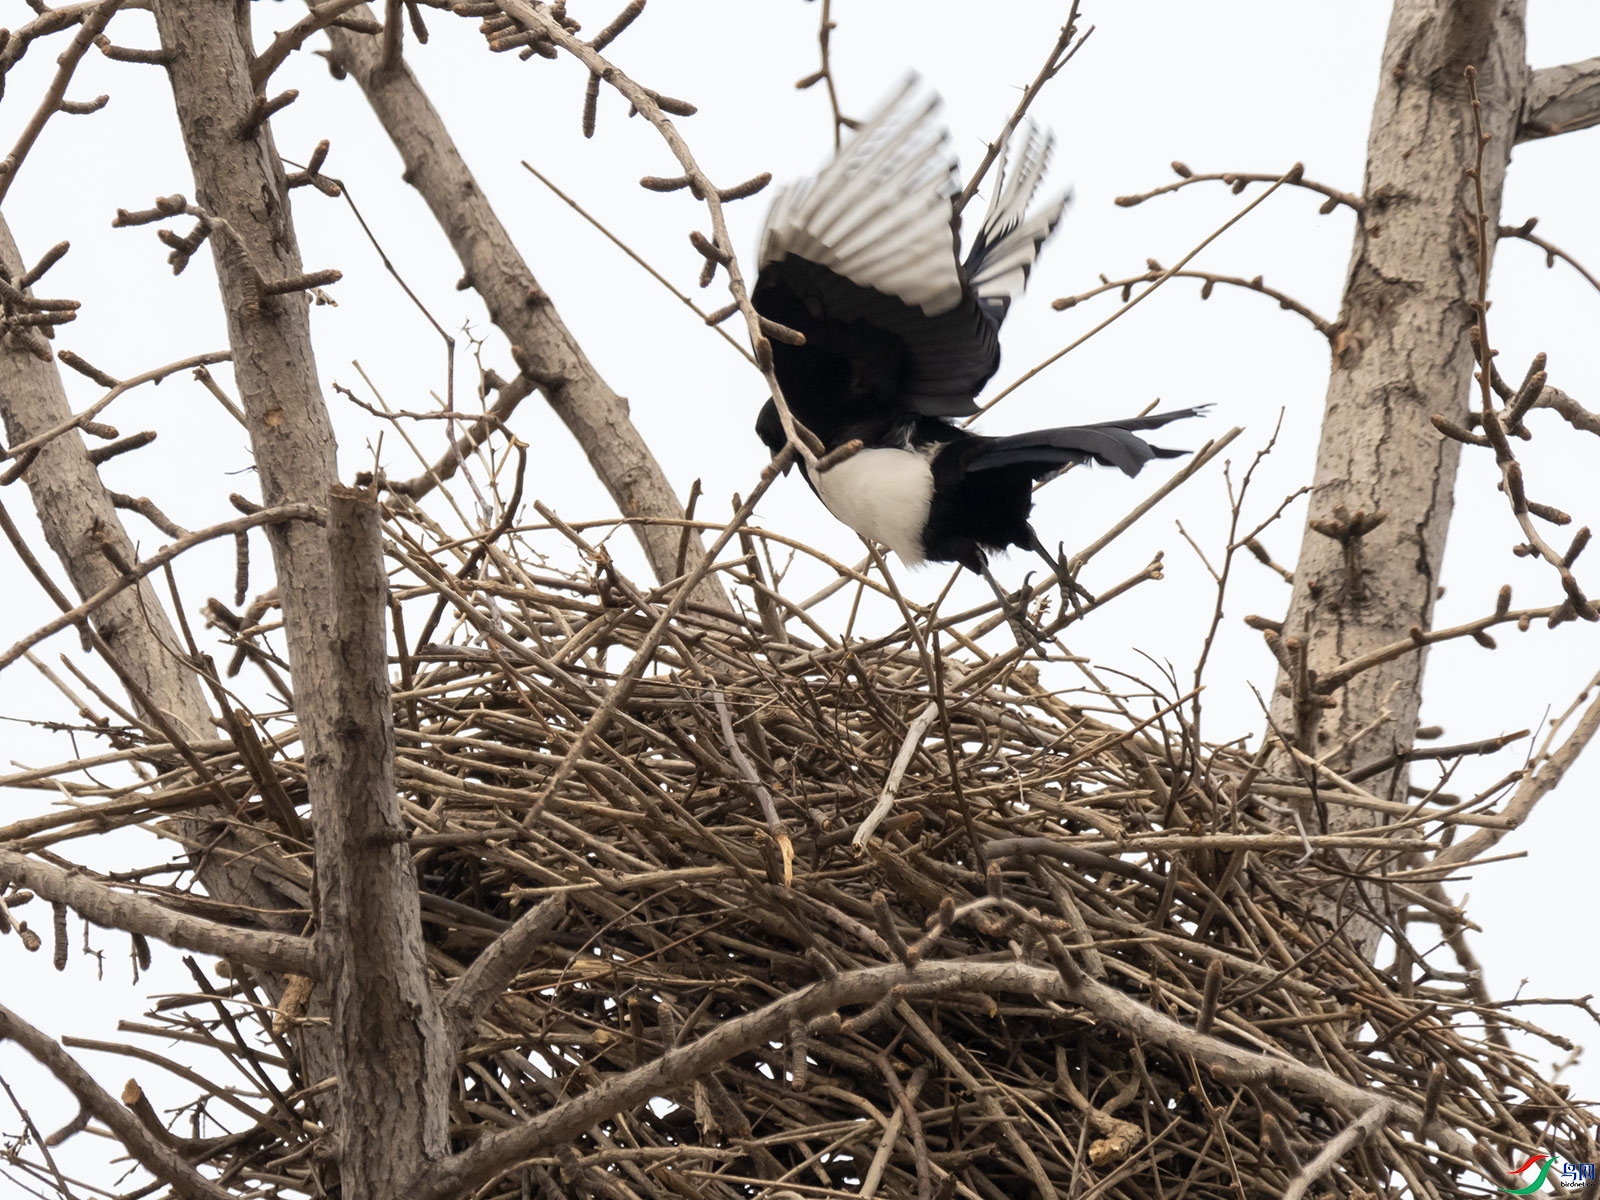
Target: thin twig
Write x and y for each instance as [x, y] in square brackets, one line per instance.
[631, 253]
[1137, 300]
[94, 21]
[1237, 180]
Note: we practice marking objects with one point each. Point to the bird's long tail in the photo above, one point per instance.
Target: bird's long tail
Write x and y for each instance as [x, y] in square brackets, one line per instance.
[1110, 443]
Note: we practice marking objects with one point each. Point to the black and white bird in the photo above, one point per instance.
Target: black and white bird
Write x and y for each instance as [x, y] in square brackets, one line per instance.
[901, 334]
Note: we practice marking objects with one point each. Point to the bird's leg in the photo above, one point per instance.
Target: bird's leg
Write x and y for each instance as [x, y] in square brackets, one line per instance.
[1027, 635]
[1071, 592]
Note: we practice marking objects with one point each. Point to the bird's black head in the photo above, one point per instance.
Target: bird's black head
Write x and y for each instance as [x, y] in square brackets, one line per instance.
[769, 428]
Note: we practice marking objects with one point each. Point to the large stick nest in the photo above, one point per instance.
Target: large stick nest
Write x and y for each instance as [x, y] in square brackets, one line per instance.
[705, 847]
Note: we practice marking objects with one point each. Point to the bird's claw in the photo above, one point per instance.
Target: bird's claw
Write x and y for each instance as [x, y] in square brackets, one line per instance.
[1028, 633]
[1072, 592]
[1029, 636]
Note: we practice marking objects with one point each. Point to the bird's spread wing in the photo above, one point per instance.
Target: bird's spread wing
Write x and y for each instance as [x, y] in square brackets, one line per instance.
[863, 260]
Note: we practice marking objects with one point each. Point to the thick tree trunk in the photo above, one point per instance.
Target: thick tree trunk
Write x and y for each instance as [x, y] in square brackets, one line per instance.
[239, 183]
[394, 1055]
[1381, 500]
[384, 1020]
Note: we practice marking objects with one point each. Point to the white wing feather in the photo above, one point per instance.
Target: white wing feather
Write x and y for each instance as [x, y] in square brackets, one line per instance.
[879, 213]
[1009, 239]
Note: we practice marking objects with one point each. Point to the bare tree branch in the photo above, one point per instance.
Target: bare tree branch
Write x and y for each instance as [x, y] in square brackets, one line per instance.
[289, 40]
[119, 387]
[94, 20]
[1336, 677]
[1129, 305]
[1575, 414]
[1237, 181]
[1551, 250]
[81, 524]
[78, 514]
[137, 570]
[1209, 280]
[1058, 57]
[497, 965]
[1528, 794]
[1561, 99]
[112, 909]
[653, 108]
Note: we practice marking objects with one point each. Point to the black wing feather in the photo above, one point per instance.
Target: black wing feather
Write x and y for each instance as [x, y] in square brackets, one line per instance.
[896, 359]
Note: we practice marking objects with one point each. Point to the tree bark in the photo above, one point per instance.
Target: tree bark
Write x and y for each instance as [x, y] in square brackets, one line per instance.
[1562, 99]
[1403, 354]
[393, 1053]
[549, 355]
[239, 182]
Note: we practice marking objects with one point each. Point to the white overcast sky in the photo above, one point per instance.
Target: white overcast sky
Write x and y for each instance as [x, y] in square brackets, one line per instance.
[1255, 85]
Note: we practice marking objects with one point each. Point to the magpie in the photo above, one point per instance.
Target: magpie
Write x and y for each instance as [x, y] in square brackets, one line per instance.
[901, 334]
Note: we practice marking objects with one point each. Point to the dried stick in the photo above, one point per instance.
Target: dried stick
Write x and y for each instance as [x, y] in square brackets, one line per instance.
[623, 688]
[769, 809]
[470, 996]
[902, 760]
[1347, 1139]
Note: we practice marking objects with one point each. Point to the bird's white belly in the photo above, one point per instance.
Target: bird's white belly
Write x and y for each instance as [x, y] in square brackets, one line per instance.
[883, 493]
